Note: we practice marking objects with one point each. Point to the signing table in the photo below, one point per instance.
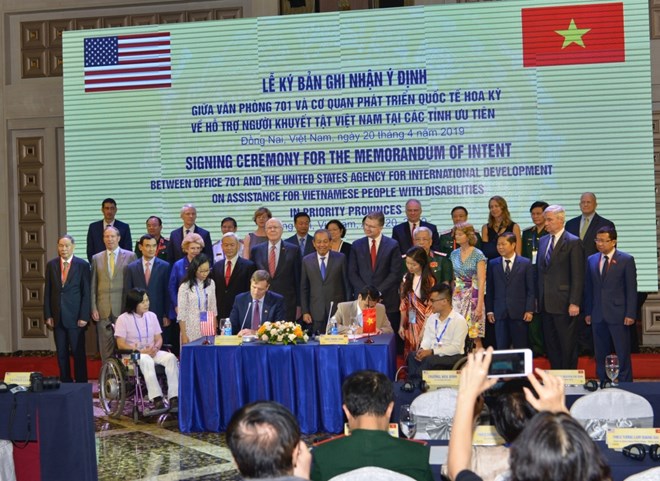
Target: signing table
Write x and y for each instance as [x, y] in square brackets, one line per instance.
[215, 381]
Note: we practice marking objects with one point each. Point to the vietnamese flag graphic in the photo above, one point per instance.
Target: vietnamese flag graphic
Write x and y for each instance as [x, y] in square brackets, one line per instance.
[571, 35]
[369, 321]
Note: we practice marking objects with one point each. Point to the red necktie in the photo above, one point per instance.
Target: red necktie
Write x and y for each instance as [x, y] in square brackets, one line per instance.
[227, 273]
[65, 271]
[271, 261]
[412, 231]
[147, 272]
[373, 254]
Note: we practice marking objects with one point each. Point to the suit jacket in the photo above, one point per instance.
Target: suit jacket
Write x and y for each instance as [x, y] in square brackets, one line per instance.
[174, 252]
[513, 297]
[238, 282]
[286, 281]
[611, 299]
[560, 282]
[371, 448]
[387, 275]
[95, 242]
[589, 244]
[241, 312]
[317, 293]
[159, 299]
[348, 310]
[107, 292]
[69, 302]
[401, 233]
[309, 243]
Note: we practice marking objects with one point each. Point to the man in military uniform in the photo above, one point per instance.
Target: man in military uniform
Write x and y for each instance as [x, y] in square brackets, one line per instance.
[458, 214]
[530, 246]
[439, 262]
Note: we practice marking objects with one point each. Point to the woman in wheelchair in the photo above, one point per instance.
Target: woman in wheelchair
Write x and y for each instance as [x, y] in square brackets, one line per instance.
[138, 329]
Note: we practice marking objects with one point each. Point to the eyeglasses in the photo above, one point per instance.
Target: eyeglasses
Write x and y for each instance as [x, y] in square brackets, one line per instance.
[203, 271]
[438, 299]
[638, 451]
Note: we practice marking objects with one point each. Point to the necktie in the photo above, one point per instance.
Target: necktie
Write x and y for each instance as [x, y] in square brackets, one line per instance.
[271, 261]
[227, 273]
[507, 269]
[373, 254]
[112, 264]
[585, 226]
[323, 268]
[256, 316]
[548, 253]
[302, 246]
[187, 231]
[147, 272]
[412, 231]
[606, 265]
[65, 271]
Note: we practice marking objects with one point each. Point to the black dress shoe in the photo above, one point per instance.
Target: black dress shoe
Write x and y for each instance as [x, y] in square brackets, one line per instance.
[174, 405]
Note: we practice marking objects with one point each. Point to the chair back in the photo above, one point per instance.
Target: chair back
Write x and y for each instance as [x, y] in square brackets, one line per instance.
[612, 408]
[371, 473]
[435, 413]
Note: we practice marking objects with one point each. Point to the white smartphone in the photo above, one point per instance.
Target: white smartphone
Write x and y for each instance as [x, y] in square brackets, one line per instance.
[510, 363]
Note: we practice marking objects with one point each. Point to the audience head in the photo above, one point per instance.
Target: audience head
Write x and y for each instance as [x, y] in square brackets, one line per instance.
[274, 229]
[606, 239]
[264, 439]
[498, 212]
[259, 284]
[109, 209]
[440, 298]
[555, 446]
[198, 270]
[465, 229]
[588, 203]
[373, 224]
[301, 222]
[368, 393]
[154, 226]
[510, 411]
[188, 215]
[228, 224]
[148, 246]
[65, 246]
[261, 215]
[111, 238]
[192, 245]
[135, 297]
[336, 228]
[554, 216]
[230, 245]
[413, 210]
[506, 244]
[322, 242]
[459, 214]
[368, 297]
[423, 237]
[536, 212]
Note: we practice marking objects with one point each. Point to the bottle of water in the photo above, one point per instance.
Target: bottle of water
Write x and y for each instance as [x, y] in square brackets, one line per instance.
[333, 326]
[226, 327]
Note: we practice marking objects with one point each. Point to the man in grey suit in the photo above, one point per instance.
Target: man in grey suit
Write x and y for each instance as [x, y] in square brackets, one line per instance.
[323, 280]
[560, 265]
[368, 298]
[107, 288]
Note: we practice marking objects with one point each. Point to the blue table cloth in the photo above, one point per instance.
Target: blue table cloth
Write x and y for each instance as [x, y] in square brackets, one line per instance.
[215, 381]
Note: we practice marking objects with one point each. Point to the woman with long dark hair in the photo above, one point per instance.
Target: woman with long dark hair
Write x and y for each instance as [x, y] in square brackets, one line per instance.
[196, 298]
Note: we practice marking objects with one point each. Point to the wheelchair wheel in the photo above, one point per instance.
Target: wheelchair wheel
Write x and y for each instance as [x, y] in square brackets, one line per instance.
[460, 363]
[112, 387]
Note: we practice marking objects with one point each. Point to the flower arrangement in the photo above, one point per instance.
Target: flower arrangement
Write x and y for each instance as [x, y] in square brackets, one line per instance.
[281, 332]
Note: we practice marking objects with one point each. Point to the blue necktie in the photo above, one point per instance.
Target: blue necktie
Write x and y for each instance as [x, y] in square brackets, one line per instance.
[302, 247]
[323, 268]
[548, 254]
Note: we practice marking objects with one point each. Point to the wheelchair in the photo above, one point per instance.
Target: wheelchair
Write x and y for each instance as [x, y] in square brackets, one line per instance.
[121, 380]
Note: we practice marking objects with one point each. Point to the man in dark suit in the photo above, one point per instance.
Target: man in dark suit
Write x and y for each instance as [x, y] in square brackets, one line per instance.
[259, 305]
[158, 273]
[403, 233]
[231, 275]
[96, 229]
[154, 229]
[587, 224]
[189, 216]
[323, 281]
[376, 260]
[510, 294]
[67, 305]
[108, 288]
[301, 238]
[282, 261]
[611, 302]
[560, 268]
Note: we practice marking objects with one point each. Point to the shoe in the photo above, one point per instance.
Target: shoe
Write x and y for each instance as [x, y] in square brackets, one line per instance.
[157, 407]
[174, 405]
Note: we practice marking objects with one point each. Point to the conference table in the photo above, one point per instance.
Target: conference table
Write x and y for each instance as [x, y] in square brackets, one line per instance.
[62, 422]
[215, 381]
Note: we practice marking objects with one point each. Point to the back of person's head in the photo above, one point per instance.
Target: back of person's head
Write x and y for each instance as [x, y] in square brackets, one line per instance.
[367, 392]
[510, 412]
[554, 446]
[262, 437]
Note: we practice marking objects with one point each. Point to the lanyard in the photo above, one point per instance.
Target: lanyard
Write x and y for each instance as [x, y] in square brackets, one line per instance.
[138, 329]
[439, 338]
[199, 299]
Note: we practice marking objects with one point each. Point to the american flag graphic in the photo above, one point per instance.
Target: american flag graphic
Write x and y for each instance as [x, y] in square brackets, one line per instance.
[208, 325]
[128, 62]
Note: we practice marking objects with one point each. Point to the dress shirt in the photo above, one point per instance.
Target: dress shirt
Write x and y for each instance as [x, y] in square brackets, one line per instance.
[233, 261]
[557, 236]
[278, 246]
[326, 257]
[261, 309]
[609, 255]
[218, 254]
[377, 239]
[115, 253]
[585, 218]
[151, 266]
[453, 340]
[512, 259]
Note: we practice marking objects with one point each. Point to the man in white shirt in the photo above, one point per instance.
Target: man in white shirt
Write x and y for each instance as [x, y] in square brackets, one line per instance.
[443, 342]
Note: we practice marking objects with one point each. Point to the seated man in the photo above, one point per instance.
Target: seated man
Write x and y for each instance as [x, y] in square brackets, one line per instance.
[252, 309]
[368, 298]
[368, 403]
[138, 329]
[264, 440]
[443, 342]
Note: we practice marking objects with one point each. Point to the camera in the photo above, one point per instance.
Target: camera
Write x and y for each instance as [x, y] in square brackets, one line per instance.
[40, 383]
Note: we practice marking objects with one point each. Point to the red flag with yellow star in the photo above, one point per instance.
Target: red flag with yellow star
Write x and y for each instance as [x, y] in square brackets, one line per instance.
[575, 34]
[369, 321]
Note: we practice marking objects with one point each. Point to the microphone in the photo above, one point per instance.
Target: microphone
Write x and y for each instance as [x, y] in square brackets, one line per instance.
[332, 303]
[246, 315]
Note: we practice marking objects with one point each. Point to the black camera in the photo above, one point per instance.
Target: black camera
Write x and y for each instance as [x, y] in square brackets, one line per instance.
[40, 383]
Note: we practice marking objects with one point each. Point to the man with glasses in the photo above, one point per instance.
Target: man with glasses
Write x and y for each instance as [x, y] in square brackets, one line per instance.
[368, 298]
[443, 341]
